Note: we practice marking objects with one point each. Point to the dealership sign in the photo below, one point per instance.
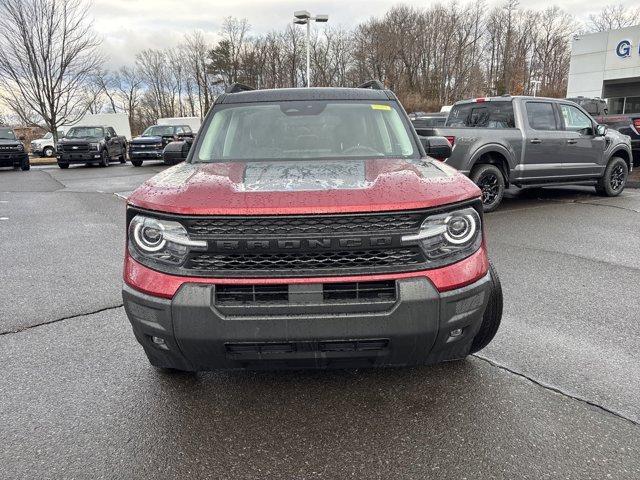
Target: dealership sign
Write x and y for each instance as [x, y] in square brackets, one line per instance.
[623, 49]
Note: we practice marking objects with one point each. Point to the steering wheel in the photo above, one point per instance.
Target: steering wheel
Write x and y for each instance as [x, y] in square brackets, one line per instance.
[361, 148]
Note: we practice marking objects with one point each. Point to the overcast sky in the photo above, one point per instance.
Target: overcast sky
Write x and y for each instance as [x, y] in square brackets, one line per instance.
[129, 26]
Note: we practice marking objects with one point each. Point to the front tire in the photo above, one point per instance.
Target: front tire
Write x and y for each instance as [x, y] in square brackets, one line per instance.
[614, 179]
[26, 165]
[491, 182]
[63, 165]
[47, 152]
[136, 163]
[104, 160]
[492, 314]
[123, 155]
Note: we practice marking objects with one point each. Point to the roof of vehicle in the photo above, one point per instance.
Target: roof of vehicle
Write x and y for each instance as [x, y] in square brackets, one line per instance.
[505, 98]
[432, 114]
[89, 126]
[174, 126]
[302, 94]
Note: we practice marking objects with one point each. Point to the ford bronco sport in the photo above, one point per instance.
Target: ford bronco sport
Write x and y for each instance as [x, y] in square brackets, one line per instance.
[308, 228]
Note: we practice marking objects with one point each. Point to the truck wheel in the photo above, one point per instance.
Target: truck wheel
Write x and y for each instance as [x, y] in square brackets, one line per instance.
[136, 163]
[47, 152]
[491, 182]
[63, 165]
[26, 165]
[492, 314]
[104, 160]
[614, 179]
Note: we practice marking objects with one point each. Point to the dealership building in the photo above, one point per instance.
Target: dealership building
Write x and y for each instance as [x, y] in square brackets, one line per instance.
[607, 65]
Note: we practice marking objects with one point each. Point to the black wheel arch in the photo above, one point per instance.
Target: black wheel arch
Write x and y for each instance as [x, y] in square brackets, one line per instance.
[493, 157]
[623, 154]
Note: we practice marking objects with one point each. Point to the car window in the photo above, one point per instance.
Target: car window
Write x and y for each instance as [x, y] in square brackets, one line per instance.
[493, 114]
[574, 119]
[112, 132]
[315, 129]
[179, 131]
[7, 134]
[541, 116]
[158, 131]
[85, 132]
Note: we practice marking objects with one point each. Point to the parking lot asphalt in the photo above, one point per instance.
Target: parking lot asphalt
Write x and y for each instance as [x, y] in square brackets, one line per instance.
[556, 395]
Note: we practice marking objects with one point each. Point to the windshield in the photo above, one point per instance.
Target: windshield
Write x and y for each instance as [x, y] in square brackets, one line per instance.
[48, 136]
[85, 132]
[158, 131]
[482, 115]
[7, 134]
[305, 130]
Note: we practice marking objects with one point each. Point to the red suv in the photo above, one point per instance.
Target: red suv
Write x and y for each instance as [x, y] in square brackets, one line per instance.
[308, 228]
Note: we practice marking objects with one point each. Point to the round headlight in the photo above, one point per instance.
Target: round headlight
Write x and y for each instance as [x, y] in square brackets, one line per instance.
[460, 228]
[149, 235]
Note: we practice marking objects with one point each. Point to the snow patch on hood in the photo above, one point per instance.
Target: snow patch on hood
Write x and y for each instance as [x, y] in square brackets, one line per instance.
[303, 176]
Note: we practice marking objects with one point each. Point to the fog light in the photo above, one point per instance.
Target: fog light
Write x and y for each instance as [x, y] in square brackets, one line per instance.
[160, 343]
[455, 333]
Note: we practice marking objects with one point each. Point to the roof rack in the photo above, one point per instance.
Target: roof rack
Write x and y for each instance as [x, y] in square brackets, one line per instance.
[238, 87]
[373, 85]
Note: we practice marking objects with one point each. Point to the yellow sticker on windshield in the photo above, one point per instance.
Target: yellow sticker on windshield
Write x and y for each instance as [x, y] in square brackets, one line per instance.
[380, 107]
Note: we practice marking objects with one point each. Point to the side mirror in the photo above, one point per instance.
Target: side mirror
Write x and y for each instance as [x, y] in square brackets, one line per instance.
[436, 147]
[176, 152]
[601, 130]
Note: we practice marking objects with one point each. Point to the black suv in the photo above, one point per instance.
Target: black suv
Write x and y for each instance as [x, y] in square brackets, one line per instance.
[150, 145]
[12, 152]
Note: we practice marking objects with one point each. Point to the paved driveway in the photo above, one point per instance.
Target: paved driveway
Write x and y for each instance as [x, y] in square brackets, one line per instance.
[556, 395]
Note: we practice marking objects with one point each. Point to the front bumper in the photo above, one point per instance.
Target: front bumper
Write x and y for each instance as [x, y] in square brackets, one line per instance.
[192, 331]
[79, 157]
[146, 154]
[13, 159]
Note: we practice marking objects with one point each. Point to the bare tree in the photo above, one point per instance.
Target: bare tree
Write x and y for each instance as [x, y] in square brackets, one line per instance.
[47, 55]
[612, 17]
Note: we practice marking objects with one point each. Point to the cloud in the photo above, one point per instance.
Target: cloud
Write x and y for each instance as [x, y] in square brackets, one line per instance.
[129, 26]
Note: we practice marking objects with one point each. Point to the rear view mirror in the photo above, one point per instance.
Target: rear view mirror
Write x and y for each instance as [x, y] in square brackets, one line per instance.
[436, 147]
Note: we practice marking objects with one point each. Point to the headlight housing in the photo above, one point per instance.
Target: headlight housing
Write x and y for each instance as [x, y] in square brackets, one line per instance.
[161, 240]
[448, 237]
[20, 147]
[94, 146]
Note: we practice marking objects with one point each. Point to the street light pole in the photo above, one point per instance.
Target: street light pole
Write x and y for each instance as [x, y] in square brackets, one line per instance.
[308, 54]
[303, 17]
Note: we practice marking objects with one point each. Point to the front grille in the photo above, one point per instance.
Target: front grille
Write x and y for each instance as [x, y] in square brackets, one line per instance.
[306, 261]
[287, 246]
[305, 225]
[266, 348]
[326, 293]
[73, 148]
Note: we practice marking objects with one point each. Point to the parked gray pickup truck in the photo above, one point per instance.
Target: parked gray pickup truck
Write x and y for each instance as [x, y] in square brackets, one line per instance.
[532, 141]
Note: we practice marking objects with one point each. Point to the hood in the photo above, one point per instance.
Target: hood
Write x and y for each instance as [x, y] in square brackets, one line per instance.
[10, 143]
[299, 187]
[141, 139]
[81, 139]
[617, 137]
